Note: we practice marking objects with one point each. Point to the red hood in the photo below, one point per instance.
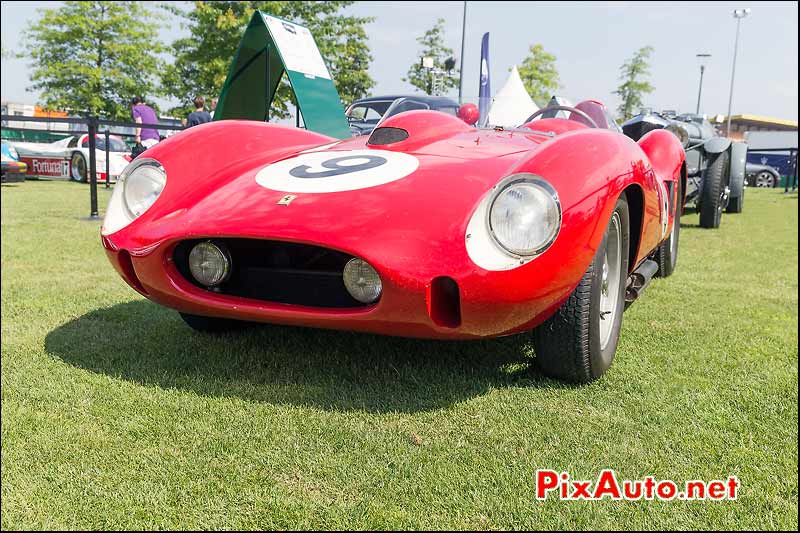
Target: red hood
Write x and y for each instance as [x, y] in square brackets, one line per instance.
[209, 193]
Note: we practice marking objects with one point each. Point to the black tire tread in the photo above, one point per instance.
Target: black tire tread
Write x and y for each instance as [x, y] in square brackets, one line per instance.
[736, 205]
[713, 182]
[664, 253]
[567, 332]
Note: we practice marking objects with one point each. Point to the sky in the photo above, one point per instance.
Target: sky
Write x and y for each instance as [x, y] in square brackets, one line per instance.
[590, 40]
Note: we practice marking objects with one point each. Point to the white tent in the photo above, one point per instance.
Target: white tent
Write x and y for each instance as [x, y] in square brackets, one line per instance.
[512, 104]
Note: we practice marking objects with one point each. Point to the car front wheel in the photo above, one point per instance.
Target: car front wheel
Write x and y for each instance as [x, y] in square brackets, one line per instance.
[765, 179]
[78, 168]
[578, 342]
[667, 254]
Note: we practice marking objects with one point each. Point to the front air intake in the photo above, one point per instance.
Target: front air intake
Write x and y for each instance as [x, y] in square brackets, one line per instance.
[276, 271]
[444, 302]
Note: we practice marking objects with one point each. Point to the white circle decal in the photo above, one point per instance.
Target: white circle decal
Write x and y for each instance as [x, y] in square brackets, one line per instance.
[336, 171]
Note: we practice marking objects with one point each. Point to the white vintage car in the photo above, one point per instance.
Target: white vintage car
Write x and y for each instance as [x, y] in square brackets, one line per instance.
[69, 157]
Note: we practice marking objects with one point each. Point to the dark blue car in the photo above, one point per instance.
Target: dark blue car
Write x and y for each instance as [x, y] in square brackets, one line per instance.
[365, 114]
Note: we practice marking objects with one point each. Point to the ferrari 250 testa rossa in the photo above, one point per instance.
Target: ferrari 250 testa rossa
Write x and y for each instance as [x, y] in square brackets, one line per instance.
[427, 227]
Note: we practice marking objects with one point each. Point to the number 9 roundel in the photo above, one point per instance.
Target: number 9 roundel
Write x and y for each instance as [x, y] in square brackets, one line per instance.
[336, 171]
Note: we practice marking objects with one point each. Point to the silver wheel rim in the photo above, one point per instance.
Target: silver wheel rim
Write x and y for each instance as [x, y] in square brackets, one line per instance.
[610, 280]
[77, 162]
[764, 179]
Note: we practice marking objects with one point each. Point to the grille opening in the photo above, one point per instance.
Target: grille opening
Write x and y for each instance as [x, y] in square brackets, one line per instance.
[444, 302]
[280, 272]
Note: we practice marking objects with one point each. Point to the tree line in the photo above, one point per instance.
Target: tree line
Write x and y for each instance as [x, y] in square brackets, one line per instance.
[94, 56]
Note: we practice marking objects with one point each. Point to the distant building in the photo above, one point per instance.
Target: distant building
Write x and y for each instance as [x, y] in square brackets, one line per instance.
[742, 124]
[29, 110]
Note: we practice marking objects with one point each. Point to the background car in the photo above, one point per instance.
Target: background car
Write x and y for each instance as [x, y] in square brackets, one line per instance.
[363, 115]
[762, 175]
[13, 168]
[715, 165]
[69, 157]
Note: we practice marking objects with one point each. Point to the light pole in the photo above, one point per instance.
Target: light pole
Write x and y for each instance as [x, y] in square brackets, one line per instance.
[461, 72]
[738, 14]
[702, 59]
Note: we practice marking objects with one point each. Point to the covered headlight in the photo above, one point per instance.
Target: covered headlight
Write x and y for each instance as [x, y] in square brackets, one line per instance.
[142, 186]
[13, 152]
[210, 264]
[362, 281]
[680, 132]
[138, 187]
[524, 215]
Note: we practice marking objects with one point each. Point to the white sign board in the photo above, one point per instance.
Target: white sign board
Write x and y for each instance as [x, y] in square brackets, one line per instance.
[297, 48]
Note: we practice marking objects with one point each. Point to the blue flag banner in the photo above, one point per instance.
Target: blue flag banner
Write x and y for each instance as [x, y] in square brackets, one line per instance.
[484, 91]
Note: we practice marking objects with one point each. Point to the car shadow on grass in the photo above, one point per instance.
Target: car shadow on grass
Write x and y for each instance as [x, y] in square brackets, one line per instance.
[147, 344]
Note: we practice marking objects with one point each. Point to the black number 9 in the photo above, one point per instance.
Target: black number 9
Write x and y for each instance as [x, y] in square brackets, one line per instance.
[336, 169]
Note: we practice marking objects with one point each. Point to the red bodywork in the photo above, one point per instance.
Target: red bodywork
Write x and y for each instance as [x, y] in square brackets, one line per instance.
[411, 230]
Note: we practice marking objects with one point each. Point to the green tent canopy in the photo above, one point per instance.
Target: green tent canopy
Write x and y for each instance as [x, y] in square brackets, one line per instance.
[270, 47]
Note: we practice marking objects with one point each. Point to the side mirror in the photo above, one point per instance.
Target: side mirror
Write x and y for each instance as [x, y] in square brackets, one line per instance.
[469, 113]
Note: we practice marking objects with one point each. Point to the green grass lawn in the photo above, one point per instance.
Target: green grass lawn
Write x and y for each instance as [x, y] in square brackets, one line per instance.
[117, 415]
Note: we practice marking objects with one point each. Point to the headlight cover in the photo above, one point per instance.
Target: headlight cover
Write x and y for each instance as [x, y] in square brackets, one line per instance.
[13, 152]
[524, 215]
[137, 189]
[142, 185]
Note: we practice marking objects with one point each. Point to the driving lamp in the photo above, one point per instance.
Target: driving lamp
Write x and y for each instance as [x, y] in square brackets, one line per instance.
[210, 264]
[362, 281]
[525, 215]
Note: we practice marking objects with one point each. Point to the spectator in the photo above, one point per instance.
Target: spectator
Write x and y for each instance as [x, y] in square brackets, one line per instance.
[144, 114]
[199, 115]
[212, 107]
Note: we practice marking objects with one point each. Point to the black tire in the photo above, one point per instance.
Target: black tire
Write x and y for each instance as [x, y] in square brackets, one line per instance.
[208, 324]
[736, 205]
[711, 199]
[568, 345]
[78, 169]
[667, 253]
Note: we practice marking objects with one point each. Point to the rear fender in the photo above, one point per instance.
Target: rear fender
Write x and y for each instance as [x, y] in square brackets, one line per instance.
[737, 168]
[665, 153]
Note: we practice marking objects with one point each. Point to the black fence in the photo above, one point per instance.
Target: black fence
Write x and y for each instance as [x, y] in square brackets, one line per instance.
[93, 125]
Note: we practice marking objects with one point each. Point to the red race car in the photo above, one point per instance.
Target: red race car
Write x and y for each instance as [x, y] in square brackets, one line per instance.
[428, 227]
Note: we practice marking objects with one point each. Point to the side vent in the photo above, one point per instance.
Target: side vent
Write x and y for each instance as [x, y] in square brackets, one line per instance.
[129, 273]
[444, 302]
[383, 136]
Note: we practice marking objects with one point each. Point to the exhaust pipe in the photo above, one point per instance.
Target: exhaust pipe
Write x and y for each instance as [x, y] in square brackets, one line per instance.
[639, 280]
